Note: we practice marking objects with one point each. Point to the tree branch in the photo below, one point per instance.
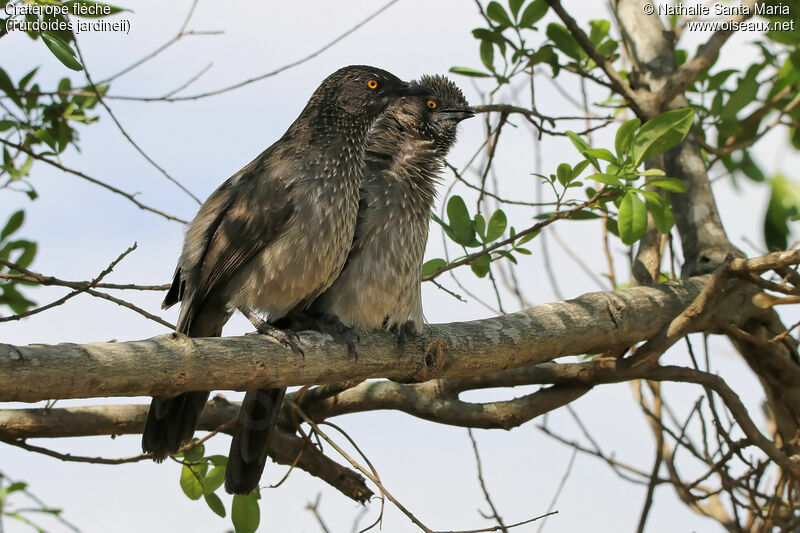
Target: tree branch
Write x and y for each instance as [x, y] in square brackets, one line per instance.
[170, 364]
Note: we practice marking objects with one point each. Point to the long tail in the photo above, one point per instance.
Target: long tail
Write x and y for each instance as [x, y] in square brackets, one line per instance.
[171, 423]
[248, 455]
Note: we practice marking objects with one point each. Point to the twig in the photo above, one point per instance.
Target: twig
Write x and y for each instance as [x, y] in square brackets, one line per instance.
[72, 294]
[536, 227]
[123, 131]
[635, 100]
[482, 482]
[90, 179]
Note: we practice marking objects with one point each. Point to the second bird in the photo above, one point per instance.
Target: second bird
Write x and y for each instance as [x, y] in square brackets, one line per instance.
[380, 286]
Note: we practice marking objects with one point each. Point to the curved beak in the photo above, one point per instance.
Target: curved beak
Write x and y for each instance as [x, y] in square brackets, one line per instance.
[457, 114]
[410, 89]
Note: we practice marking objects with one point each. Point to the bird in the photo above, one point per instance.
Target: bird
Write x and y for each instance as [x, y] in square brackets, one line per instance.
[380, 285]
[276, 234]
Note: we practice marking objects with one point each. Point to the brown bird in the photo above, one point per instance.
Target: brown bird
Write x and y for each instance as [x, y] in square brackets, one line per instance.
[277, 233]
[380, 286]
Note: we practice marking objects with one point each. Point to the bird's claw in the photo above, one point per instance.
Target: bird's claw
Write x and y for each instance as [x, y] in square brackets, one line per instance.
[289, 339]
[330, 324]
[403, 332]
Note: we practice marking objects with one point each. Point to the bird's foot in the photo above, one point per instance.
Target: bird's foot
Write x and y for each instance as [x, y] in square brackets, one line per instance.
[403, 332]
[288, 338]
[330, 324]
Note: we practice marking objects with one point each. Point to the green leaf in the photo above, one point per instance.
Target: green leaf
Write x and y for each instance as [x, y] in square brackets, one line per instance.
[563, 40]
[429, 267]
[245, 513]
[460, 221]
[195, 454]
[651, 172]
[213, 480]
[479, 223]
[601, 153]
[61, 50]
[27, 78]
[624, 138]
[526, 238]
[607, 179]
[668, 184]
[533, 13]
[577, 141]
[515, 6]
[215, 504]
[564, 173]
[784, 204]
[745, 93]
[716, 81]
[497, 226]
[191, 481]
[480, 265]
[487, 54]
[496, 12]
[661, 133]
[599, 30]
[13, 224]
[217, 460]
[632, 219]
[8, 87]
[662, 215]
[465, 71]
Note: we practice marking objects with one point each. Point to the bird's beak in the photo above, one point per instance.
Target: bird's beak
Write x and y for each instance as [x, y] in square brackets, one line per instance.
[410, 89]
[457, 114]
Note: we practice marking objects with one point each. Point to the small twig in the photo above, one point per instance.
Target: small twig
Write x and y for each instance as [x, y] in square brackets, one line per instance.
[123, 131]
[72, 294]
[90, 179]
[536, 227]
[635, 100]
[495, 514]
[314, 508]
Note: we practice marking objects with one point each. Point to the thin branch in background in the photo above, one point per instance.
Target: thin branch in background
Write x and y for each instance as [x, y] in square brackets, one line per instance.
[314, 508]
[269, 74]
[178, 36]
[659, 449]
[41, 504]
[580, 262]
[129, 196]
[560, 487]
[495, 514]
[72, 294]
[123, 131]
[131, 306]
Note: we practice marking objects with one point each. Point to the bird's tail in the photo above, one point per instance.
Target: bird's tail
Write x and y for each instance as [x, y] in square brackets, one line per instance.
[171, 423]
[254, 431]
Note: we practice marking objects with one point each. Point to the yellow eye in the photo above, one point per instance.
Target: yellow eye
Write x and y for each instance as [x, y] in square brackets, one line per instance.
[431, 104]
[372, 84]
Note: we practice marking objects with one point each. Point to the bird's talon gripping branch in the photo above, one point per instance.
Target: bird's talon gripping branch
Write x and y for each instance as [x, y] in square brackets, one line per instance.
[403, 332]
[289, 339]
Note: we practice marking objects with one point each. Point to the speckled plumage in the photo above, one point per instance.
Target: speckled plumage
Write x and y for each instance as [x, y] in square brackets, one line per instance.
[277, 233]
[380, 284]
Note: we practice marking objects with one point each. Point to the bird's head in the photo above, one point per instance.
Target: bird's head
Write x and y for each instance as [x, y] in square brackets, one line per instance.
[367, 91]
[435, 116]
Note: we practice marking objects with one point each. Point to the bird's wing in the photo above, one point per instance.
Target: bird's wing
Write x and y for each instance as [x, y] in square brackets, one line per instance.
[244, 215]
[254, 217]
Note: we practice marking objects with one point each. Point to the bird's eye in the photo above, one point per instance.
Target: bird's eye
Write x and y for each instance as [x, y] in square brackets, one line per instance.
[431, 104]
[372, 84]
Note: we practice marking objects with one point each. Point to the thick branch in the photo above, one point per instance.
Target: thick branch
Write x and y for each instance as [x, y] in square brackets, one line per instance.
[169, 364]
[129, 419]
